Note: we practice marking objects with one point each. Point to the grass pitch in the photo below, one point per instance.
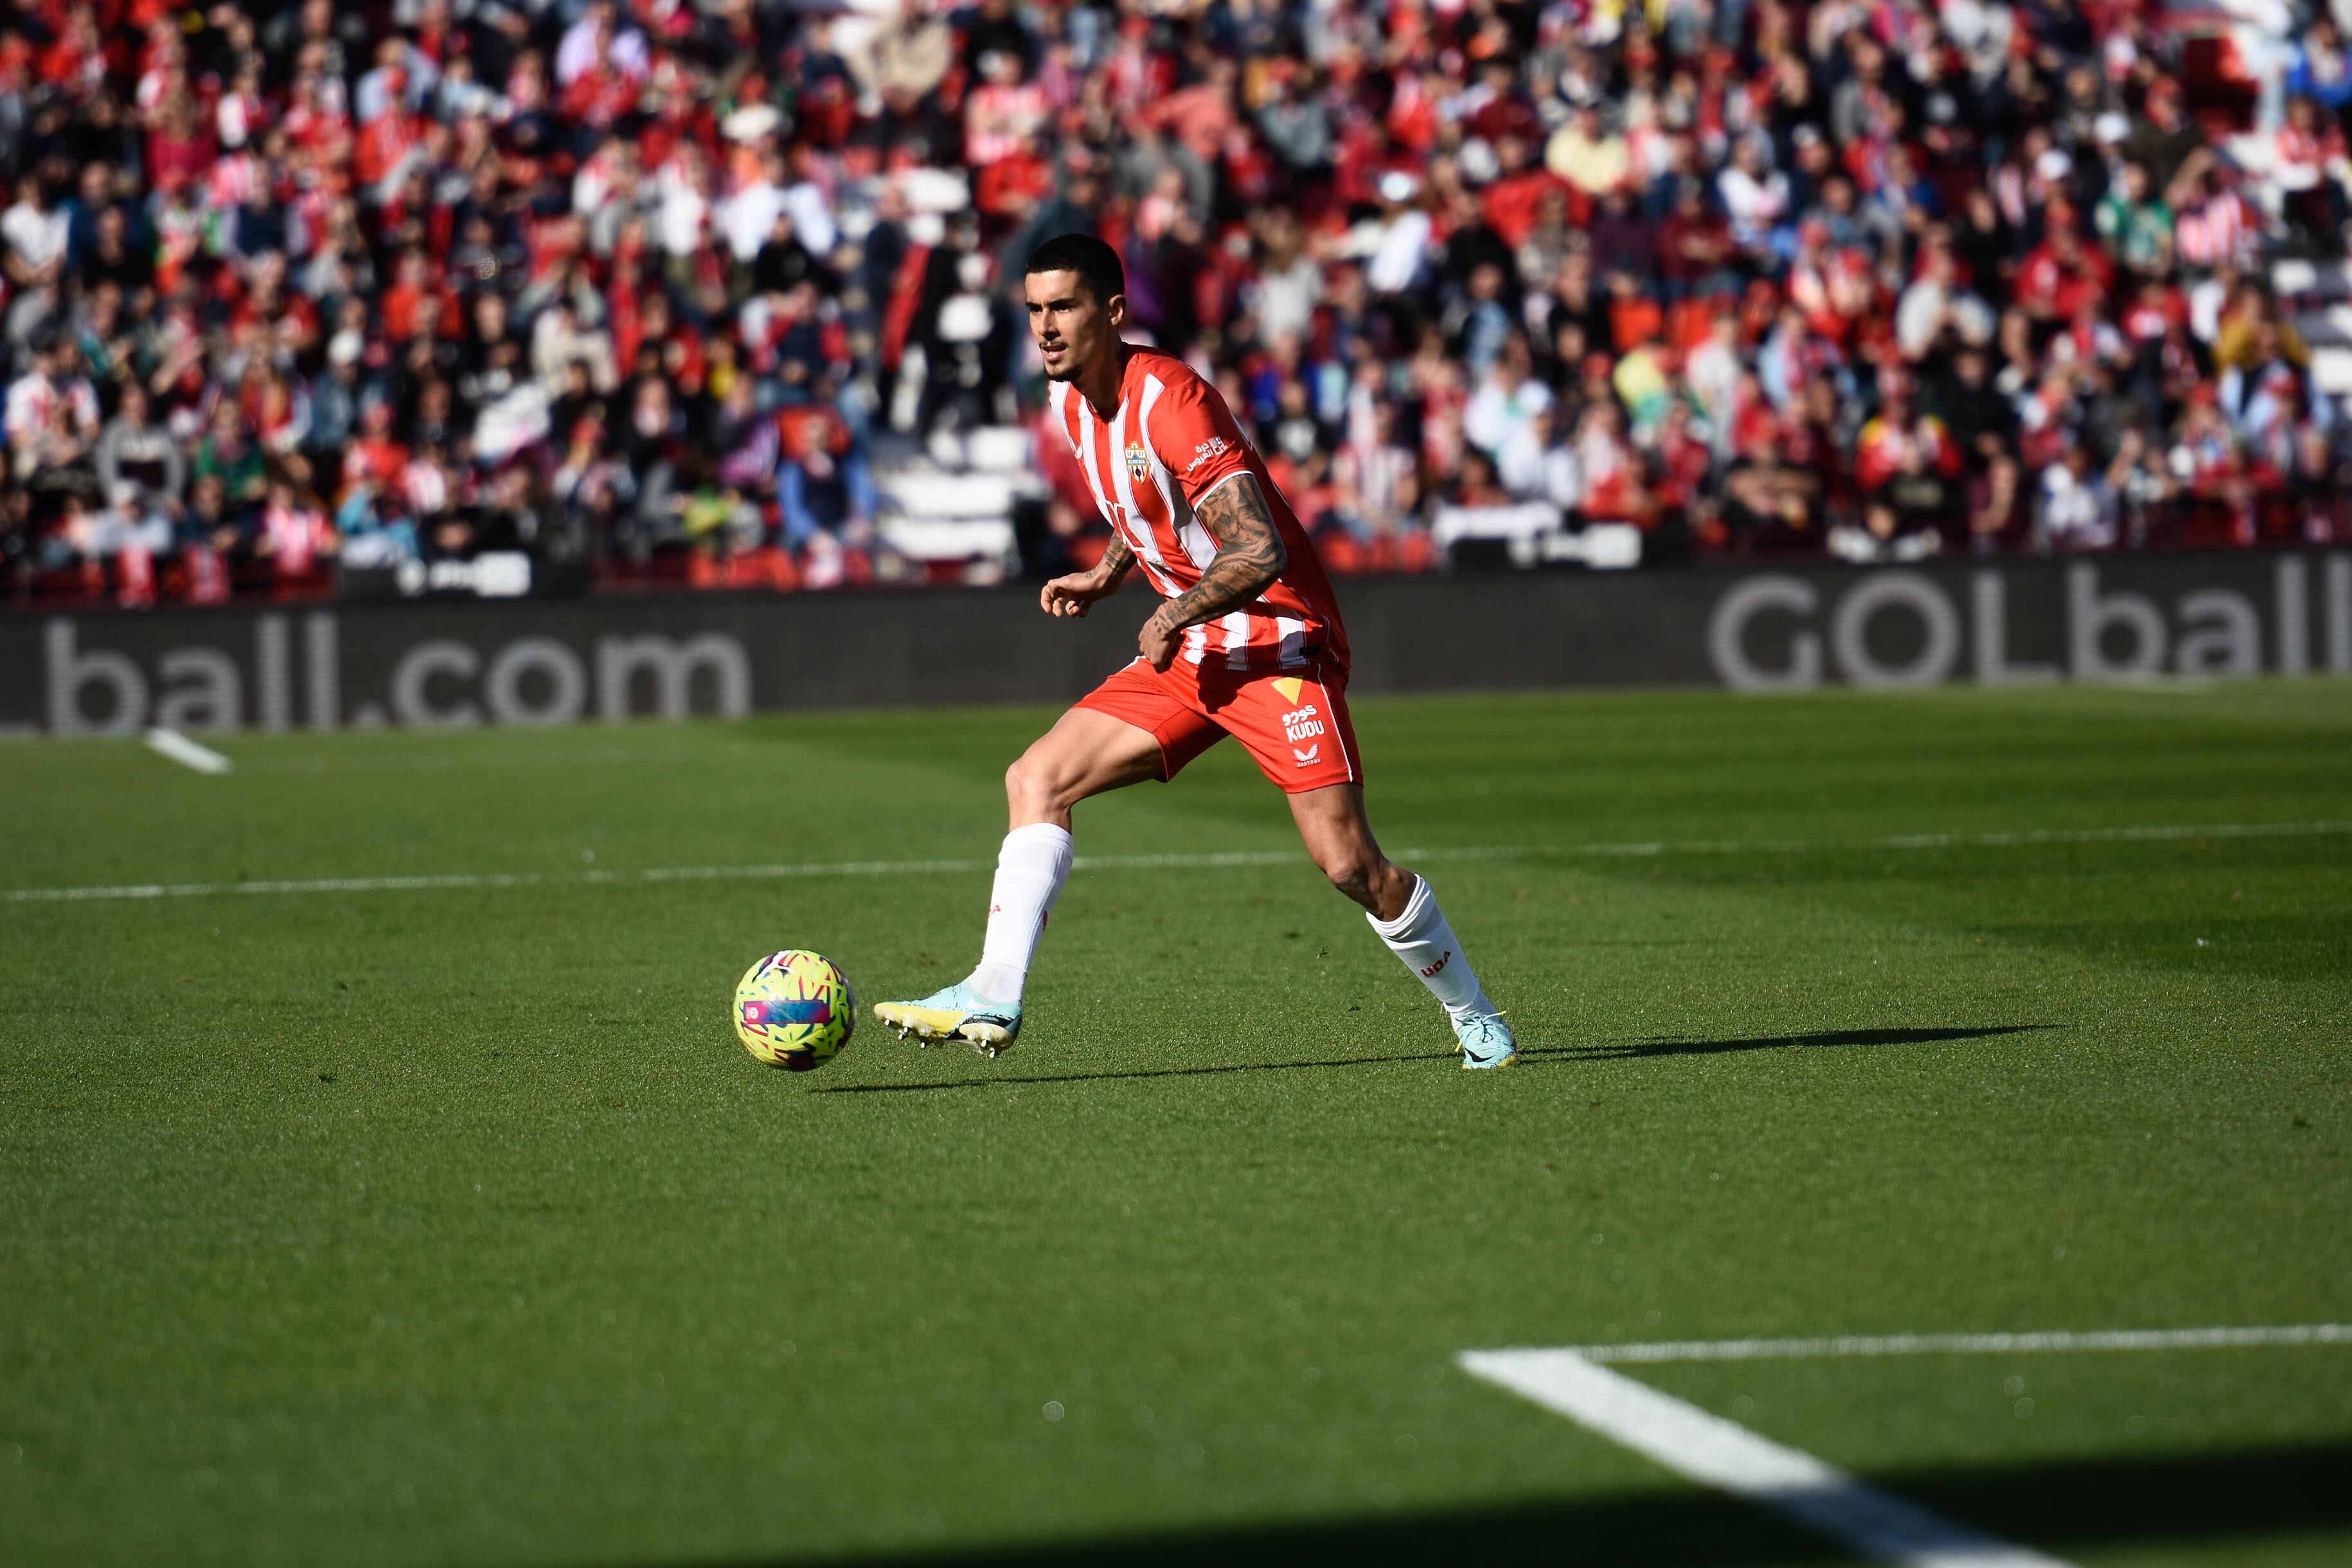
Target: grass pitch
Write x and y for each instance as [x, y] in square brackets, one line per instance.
[451, 1224]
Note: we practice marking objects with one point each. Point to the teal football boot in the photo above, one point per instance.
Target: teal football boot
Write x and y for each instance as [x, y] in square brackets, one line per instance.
[1486, 1041]
[958, 1013]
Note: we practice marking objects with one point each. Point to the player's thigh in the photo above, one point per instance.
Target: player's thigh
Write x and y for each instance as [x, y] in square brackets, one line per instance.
[1085, 753]
[1166, 705]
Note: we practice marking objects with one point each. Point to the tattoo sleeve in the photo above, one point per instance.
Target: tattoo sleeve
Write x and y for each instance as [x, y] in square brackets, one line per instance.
[1249, 557]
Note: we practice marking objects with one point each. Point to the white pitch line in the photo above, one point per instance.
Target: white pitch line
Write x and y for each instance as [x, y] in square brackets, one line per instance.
[186, 752]
[1714, 1452]
[463, 880]
[1179, 861]
[804, 868]
[1969, 1344]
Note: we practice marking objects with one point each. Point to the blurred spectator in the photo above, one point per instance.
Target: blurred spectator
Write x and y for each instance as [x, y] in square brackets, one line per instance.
[823, 483]
[2078, 509]
[141, 468]
[35, 232]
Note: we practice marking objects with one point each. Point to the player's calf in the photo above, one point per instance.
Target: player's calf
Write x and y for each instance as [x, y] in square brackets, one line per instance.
[1423, 940]
[1404, 915]
[1369, 878]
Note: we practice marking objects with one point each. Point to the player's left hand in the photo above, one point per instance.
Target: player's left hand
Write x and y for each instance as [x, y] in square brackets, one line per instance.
[1157, 641]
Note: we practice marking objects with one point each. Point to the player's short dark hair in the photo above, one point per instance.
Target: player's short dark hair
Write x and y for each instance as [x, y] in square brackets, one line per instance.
[1096, 263]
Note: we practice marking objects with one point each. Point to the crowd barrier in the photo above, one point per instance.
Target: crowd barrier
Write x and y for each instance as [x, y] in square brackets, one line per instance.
[1764, 629]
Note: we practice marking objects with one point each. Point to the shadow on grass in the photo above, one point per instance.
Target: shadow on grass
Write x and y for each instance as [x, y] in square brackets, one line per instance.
[1774, 1042]
[1529, 1055]
[2078, 1505]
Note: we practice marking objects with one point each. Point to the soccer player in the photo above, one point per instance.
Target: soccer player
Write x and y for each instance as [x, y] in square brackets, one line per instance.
[1247, 644]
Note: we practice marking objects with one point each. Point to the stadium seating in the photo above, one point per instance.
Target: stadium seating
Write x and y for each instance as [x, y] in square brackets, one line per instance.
[728, 295]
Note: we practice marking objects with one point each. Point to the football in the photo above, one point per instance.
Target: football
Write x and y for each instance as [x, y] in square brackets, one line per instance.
[794, 1010]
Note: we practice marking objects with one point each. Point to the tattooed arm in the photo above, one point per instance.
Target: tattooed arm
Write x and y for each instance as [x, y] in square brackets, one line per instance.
[1074, 595]
[1250, 557]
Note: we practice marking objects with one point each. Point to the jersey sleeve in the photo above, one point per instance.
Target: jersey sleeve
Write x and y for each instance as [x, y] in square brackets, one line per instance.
[1197, 438]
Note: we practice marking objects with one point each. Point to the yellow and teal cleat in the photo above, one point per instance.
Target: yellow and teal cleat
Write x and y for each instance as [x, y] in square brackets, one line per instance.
[1486, 1041]
[958, 1013]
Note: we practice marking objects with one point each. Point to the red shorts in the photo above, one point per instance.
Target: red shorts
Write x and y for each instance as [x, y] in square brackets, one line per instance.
[1294, 723]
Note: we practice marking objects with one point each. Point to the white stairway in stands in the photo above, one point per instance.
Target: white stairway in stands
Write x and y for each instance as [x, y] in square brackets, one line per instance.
[2317, 298]
[954, 503]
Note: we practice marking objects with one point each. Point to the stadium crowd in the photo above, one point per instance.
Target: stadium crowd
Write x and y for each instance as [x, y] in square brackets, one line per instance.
[644, 287]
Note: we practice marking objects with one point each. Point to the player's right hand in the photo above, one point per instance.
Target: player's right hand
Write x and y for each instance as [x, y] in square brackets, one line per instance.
[1072, 595]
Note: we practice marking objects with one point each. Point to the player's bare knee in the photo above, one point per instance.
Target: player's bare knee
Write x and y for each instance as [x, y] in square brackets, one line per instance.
[1037, 790]
[1023, 785]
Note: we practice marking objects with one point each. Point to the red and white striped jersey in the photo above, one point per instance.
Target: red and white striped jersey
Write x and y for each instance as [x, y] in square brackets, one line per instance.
[1171, 443]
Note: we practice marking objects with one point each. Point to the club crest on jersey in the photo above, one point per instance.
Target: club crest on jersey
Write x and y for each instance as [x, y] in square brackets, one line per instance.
[1138, 462]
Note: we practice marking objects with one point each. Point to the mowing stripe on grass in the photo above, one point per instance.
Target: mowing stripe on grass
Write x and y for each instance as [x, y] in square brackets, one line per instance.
[186, 752]
[1714, 1452]
[1971, 1344]
[1180, 862]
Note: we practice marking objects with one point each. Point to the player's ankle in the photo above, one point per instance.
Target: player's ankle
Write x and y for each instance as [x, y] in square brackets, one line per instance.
[1478, 1006]
[998, 982]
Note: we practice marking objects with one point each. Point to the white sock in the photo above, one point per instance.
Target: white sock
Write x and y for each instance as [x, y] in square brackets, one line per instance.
[1421, 937]
[1030, 872]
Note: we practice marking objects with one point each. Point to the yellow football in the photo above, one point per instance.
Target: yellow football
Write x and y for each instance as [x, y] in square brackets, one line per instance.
[796, 1010]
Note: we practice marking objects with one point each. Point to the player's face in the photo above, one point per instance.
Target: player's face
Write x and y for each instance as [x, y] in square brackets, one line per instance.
[1071, 326]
